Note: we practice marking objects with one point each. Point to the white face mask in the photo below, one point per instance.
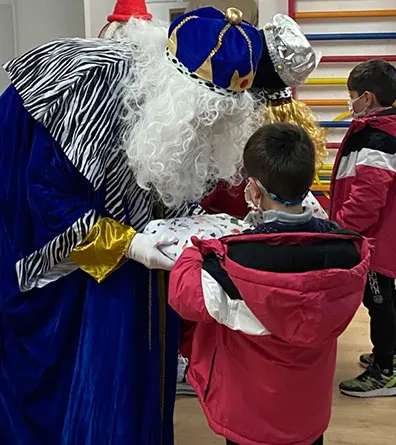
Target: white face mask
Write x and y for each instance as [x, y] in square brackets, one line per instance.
[249, 199]
[353, 113]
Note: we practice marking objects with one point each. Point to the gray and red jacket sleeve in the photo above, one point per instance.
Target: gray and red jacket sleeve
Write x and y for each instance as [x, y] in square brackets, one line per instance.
[364, 176]
[185, 287]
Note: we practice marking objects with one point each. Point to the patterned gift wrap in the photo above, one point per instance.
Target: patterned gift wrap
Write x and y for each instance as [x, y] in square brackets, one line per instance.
[201, 226]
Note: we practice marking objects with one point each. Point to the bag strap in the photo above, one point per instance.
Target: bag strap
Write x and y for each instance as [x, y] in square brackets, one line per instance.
[211, 264]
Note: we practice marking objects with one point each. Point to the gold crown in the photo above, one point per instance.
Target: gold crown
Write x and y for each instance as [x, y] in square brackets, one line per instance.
[241, 83]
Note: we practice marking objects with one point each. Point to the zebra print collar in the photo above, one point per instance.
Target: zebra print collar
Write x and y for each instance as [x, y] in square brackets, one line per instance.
[73, 87]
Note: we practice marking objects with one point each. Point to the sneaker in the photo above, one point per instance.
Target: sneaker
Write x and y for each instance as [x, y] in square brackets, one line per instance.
[183, 388]
[372, 383]
[367, 360]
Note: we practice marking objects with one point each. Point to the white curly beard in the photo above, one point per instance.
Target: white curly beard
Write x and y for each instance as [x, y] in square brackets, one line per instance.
[181, 135]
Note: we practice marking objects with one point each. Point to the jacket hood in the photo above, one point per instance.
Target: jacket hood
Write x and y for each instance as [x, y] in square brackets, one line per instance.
[304, 308]
[383, 119]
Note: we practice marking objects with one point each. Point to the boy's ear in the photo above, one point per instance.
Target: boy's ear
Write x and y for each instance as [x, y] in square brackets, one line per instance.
[254, 189]
[370, 98]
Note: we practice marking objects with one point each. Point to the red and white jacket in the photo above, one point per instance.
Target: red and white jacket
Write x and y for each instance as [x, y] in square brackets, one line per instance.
[364, 185]
[264, 348]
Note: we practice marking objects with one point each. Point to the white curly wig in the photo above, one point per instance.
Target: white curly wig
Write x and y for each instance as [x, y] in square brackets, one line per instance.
[182, 136]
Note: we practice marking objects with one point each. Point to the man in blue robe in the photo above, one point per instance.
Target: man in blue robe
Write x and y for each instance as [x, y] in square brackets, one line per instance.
[97, 138]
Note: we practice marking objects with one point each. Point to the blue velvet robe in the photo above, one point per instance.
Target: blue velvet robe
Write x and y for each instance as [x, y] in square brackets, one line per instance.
[80, 362]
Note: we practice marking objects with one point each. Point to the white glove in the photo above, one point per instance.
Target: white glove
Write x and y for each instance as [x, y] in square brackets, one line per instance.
[144, 248]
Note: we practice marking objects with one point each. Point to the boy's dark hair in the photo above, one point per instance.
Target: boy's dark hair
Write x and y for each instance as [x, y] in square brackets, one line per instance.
[282, 157]
[377, 77]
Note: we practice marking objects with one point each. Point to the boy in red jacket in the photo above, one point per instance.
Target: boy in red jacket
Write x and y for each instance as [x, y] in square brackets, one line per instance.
[364, 200]
[269, 305]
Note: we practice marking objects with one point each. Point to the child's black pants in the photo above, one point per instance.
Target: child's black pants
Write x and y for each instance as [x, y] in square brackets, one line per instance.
[380, 300]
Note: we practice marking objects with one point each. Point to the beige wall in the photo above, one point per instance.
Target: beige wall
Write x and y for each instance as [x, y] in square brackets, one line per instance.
[7, 49]
[25, 24]
[39, 21]
[267, 8]
[96, 12]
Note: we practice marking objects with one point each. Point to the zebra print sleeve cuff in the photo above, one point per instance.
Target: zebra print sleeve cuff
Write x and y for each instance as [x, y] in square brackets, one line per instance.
[103, 250]
[54, 261]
